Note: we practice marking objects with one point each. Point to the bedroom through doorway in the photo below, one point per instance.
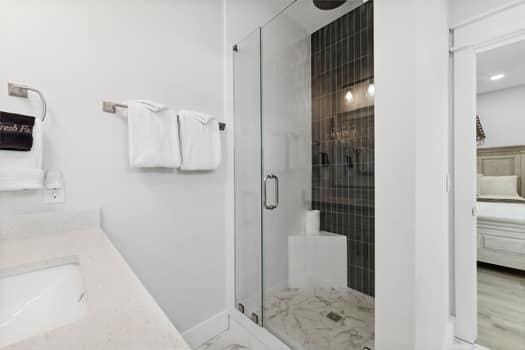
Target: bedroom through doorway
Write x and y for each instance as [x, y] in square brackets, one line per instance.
[500, 133]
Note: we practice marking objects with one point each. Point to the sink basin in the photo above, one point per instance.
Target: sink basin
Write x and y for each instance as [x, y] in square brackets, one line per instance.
[36, 300]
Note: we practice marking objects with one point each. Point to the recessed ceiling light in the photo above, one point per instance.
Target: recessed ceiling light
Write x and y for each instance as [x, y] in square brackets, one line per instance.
[497, 77]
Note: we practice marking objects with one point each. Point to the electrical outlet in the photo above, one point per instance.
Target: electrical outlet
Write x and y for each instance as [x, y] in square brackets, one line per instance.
[54, 196]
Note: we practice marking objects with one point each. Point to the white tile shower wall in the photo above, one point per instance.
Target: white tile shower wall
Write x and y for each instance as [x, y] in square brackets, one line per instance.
[168, 225]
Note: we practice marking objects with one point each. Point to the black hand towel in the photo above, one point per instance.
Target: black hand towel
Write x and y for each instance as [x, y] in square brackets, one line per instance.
[16, 131]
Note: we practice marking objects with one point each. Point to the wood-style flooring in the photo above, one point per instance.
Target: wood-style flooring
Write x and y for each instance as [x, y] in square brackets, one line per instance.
[501, 308]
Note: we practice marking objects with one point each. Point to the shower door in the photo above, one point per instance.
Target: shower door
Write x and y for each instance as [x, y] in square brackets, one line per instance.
[316, 74]
[286, 157]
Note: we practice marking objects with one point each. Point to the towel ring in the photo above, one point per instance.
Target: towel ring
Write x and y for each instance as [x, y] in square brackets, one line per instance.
[19, 90]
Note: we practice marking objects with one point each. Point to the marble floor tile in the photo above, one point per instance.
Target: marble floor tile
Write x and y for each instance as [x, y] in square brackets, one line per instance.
[299, 318]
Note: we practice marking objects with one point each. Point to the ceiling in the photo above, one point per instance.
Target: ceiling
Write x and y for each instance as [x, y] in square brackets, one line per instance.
[309, 17]
[508, 60]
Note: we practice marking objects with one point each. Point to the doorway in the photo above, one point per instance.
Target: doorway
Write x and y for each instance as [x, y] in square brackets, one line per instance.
[500, 192]
[477, 236]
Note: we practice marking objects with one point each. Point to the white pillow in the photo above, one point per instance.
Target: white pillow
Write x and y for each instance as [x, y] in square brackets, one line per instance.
[498, 185]
[500, 198]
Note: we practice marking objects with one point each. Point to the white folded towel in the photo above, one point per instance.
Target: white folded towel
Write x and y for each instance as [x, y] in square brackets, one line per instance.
[153, 135]
[151, 105]
[23, 170]
[200, 141]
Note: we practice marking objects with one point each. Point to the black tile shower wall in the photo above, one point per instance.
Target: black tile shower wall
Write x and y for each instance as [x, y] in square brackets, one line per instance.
[343, 137]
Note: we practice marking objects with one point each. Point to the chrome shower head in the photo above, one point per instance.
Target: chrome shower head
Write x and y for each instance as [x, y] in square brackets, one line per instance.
[328, 4]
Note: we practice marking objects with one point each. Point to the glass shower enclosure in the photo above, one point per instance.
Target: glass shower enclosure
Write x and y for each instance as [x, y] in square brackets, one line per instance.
[304, 176]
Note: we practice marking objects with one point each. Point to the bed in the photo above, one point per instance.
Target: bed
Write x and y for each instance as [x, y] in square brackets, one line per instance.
[501, 206]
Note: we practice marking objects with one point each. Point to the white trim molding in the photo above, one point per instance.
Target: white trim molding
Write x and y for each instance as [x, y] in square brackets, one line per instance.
[458, 345]
[508, 6]
[502, 24]
[260, 333]
[449, 335]
[465, 235]
[207, 330]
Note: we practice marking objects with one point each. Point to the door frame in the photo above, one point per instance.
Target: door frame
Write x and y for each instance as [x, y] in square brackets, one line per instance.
[500, 27]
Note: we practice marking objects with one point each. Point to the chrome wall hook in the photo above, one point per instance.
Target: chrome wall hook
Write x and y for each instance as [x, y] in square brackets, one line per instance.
[20, 90]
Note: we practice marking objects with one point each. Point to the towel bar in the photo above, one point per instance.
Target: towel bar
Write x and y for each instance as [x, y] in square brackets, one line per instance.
[19, 90]
[111, 107]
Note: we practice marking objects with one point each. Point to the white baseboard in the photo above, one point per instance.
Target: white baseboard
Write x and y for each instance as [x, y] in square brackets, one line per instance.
[466, 346]
[449, 335]
[219, 323]
[457, 344]
[207, 330]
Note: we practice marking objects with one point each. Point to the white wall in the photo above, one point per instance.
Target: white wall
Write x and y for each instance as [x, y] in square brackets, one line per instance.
[168, 225]
[431, 234]
[460, 10]
[411, 53]
[394, 174]
[501, 114]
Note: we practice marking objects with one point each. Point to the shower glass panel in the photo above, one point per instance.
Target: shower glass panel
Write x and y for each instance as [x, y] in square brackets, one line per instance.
[287, 169]
[247, 114]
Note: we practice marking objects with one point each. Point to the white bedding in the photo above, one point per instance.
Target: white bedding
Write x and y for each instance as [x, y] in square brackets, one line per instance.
[502, 212]
[502, 198]
[501, 234]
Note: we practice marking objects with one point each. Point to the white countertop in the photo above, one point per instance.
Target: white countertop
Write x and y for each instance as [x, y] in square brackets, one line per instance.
[122, 315]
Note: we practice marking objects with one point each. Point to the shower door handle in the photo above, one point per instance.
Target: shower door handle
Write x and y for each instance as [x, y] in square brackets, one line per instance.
[265, 191]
